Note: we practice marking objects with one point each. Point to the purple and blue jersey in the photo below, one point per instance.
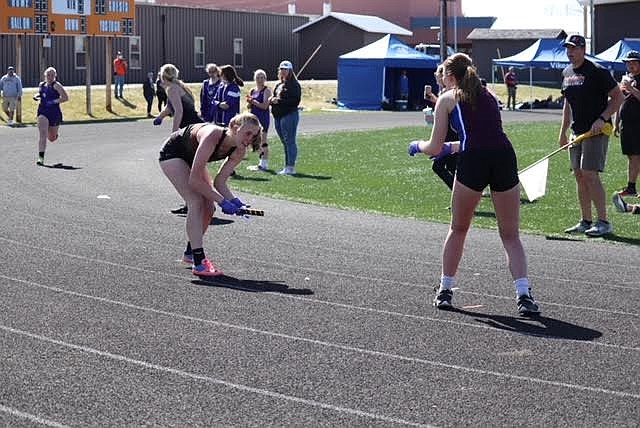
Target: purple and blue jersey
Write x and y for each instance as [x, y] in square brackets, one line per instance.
[47, 107]
[262, 115]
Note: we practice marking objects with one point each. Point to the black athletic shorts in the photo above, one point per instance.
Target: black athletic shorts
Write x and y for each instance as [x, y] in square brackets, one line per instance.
[630, 138]
[176, 147]
[497, 168]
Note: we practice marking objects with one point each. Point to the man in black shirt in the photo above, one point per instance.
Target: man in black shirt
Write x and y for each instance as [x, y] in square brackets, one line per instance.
[592, 96]
[628, 120]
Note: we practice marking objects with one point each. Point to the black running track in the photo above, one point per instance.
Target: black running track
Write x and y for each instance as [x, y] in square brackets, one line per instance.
[324, 318]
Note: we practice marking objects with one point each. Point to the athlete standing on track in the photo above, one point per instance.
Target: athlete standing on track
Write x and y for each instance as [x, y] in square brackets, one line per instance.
[486, 158]
[50, 94]
[184, 160]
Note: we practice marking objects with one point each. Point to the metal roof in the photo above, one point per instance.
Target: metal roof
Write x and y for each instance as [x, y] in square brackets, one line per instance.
[522, 34]
[368, 23]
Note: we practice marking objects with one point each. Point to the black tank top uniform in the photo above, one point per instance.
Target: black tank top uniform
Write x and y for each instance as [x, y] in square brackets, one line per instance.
[183, 144]
[189, 113]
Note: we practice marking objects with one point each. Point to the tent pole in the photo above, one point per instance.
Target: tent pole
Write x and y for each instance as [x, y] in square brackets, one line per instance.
[531, 87]
[384, 74]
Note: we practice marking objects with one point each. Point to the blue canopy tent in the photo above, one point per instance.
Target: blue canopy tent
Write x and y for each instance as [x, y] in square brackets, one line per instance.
[546, 54]
[618, 51]
[371, 74]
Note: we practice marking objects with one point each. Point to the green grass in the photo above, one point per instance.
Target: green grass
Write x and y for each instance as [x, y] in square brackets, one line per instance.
[371, 171]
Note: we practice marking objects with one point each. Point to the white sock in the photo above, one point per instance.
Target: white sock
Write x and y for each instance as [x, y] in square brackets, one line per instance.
[264, 163]
[447, 282]
[522, 286]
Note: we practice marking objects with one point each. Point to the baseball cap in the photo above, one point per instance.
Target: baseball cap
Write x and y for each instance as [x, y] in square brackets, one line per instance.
[575, 40]
[632, 56]
[10, 68]
[286, 65]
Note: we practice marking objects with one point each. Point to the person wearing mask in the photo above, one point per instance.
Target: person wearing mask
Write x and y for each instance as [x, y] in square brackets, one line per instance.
[486, 158]
[227, 100]
[11, 91]
[284, 107]
[50, 95]
[258, 104]
[208, 106]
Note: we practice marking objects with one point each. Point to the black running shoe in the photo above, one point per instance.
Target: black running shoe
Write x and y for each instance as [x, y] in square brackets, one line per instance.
[527, 306]
[182, 210]
[443, 299]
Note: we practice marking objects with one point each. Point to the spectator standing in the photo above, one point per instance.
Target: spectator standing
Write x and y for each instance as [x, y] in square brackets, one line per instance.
[148, 90]
[628, 121]
[120, 68]
[208, 106]
[511, 80]
[160, 93]
[50, 94]
[11, 90]
[228, 95]
[591, 97]
[258, 104]
[404, 85]
[284, 107]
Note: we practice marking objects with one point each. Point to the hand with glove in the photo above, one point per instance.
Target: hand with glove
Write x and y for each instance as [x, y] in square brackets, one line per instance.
[238, 203]
[229, 207]
[157, 121]
[447, 148]
[414, 148]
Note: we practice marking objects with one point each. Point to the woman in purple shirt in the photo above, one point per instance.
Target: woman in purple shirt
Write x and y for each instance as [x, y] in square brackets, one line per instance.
[258, 104]
[50, 94]
[486, 158]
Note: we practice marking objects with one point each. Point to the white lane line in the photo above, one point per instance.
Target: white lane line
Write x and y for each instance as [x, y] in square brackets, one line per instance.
[298, 269]
[341, 305]
[212, 380]
[32, 418]
[472, 270]
[335, 345]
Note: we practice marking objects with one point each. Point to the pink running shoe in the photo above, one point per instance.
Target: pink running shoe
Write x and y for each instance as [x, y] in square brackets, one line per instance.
[206, 268]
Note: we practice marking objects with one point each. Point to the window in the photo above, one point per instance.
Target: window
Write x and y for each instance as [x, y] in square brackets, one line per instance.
[198, 47]
[71, 4]
[238, 56]
[134, 53]
[80, 52]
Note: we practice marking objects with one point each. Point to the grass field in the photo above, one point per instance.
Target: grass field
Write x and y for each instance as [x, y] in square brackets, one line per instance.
[371, 171]
[316, 95]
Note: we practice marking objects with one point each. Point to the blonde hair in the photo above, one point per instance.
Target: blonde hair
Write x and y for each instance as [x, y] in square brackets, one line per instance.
[214, 66]
[461, 67]
[170, 73]
[259, 72]
[239, 120]
[50, 69]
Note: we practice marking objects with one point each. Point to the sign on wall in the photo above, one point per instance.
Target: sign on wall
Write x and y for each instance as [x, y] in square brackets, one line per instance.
[68, 17]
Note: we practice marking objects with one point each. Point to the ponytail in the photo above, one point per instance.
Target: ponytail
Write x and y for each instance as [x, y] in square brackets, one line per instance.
[469, 88]
[230, 75]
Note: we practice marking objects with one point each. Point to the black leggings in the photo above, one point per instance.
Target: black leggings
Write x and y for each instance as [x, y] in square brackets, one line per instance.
[445, 168]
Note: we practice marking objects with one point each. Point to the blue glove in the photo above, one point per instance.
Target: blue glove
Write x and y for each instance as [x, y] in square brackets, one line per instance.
[414, 148]
[157, 121]
[229, 207]
[238, 203]
[446, 151]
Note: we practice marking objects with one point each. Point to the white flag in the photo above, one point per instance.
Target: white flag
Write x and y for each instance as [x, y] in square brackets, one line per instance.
[534, 180]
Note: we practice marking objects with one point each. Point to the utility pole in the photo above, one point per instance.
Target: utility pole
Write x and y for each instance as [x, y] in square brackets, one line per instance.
[443, 30]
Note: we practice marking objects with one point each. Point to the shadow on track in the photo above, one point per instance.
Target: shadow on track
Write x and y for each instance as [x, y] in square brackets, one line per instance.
[535, 326]
[250, 285]
[62, 166]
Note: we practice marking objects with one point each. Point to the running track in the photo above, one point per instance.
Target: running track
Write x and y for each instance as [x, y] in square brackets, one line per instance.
[325, 319]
